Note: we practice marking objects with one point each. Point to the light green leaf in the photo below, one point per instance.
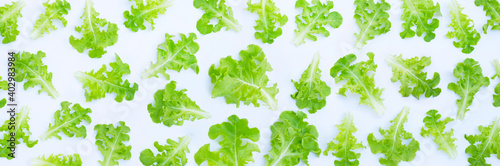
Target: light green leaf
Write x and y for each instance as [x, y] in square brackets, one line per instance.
[110, 141]
[54, 11]
[145, 11]
[22, 132]
[58, 160]
[270, 20]
[419, 13]
[434, 127]
[171, 154]
[463, 29]
[483, 145]
[313, 20]
[218, 10]
[30, 67]
[9, 15]
[496, 96]
[372, 19]
[69, 122]
[344, 144]
[492, 9]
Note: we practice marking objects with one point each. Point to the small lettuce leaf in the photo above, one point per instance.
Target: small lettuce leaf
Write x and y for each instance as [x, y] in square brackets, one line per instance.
[413, 79]
[244, 80]
[391, 145]
[97, 33]
[311, 90]
[483, 145]
[173, 107]
[30, 67]
[171, 154]
[58, 160]
[110, 141]
[69, 122]
[496, 96]
[21, 130]
[420, 13]
[145, 11]
[434, 127]
[53, 11]
[237, 143]
[360, 80]
[345, 143]
[313, 20]
[174, 56]
[470, 80]
[218, 10]
[463, 29]
[492, 9]
[372, 19]
[100, 82]
[292, 140]
[8, 20]
[270, 20]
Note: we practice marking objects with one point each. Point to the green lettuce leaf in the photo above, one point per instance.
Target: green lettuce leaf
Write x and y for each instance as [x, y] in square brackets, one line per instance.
[8, 20]
[30, 67]
[434, 127]
[470, 80]
[391, 145]
[97, 33]
[58, 160]
[492, 9]
[237, 144]
[372, 19]
[171, 154]
[174, 56]
[110, 141]
[463, 29]
[69, 122]
[483, 145]
[270, 20]
[100, 82]
[413, 79]
[244, 80]
[314, 19]
[54, 11]
[292, 140]
[218, 10]
[496, 96]
[420, 13]
[145, 11]
[311, 90]
[345, 143]
[173, 107]
[360, 80]
[21, 130]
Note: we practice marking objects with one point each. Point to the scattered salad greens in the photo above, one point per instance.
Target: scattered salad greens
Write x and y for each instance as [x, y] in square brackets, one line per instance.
[496, 96]
[270, 20]
[21, 130]
[313, 20]
[492, 9]
[110, 141]
[69, 122]
[483, 145]
[30, 67]
[171, 154]
[434, 126]
[58, 160]
[145, 11]
[372, 19]
[463, 29]
[8, 20]
[215, 9]
[345, 143]
[420, 13]
[54, 11]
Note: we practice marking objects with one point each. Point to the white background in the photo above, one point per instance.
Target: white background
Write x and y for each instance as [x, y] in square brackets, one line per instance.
[139, 49]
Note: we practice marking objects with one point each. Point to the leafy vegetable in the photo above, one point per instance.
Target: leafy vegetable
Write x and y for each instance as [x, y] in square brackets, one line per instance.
[174, 107]
[413, 80]
[372, 19]
[345, 143]
[100, 82]
[173, 153]
[174, 56]
[145, 11]
[360, 80]
[313, 20]
[470, 80]
[215, 9]
[292, 140]
[270, 20]
[21, 131]
[311, 90]
[97, 33]
[30, 67]
[435, 128]
[492, 9]
[244, 80]
[496, 96]
[392, 145]
[53, 11]
[8, 20]
[463, 29]
[420, 13]
[69, 122]
[58, 160]
[110, 141]
[483, 145]
[234, 150]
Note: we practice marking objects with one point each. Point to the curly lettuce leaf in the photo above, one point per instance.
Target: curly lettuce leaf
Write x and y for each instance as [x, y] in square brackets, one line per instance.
[345, 143]
[434, 127]
[244, 80]
[8, 20]
[372, 19]
[145, 11]
[360, 80]
[483, 145]
[100, 82]
[54, 11]
[171, 154]
[58, 160]
[218, 10]
[420, 13]
[311, 90]
[463, 29]
[313, 20]
[174, 56]
[69, 122]
[97, 33]
[173, 107]
[292, 140]
[30, 67]
[21, 130]
[270, 20]
[496, 96]
[391, 145]
[492, 9]
[110, 141]
[470, 80]
[237, 143]
[413, 79]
